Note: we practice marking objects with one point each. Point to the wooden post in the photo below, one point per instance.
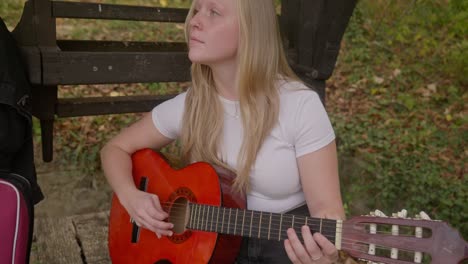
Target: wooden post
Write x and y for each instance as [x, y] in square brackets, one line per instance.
[314, 30]
[36, 32]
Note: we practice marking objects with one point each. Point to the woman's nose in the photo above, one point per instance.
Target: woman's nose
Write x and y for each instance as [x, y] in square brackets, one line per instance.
[195, 21]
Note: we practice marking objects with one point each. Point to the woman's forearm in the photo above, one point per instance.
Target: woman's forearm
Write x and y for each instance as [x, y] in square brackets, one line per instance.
[117, 167]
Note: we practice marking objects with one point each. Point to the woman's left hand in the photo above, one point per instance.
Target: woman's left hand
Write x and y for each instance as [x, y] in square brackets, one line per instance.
[316, 248]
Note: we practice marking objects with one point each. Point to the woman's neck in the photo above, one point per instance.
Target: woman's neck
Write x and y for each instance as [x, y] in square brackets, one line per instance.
[225, 78]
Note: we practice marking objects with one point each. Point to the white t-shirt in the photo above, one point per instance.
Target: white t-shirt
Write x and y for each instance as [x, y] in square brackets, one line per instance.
[303, 127]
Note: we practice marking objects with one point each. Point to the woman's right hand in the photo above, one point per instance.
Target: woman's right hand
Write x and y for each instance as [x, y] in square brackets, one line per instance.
[146, 211]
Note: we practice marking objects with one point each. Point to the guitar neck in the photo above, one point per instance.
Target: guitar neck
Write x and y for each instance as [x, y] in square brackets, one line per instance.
[256, 224]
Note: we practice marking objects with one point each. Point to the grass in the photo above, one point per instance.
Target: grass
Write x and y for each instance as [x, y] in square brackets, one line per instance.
[397, 100]
[398, 104]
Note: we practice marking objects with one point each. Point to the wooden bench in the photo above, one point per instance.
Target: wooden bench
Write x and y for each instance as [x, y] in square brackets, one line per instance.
[312, 32]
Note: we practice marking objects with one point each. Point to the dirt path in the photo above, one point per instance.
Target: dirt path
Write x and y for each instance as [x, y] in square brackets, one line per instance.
[70, 191]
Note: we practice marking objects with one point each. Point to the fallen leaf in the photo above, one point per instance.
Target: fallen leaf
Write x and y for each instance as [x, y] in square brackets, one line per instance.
[378, 80]
[432, 87]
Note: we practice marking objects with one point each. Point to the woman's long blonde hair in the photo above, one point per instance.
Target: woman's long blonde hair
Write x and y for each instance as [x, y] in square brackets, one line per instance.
[261, 62]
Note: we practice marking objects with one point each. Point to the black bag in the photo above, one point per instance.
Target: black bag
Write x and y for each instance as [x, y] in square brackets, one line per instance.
[20, 190]
[16, 141]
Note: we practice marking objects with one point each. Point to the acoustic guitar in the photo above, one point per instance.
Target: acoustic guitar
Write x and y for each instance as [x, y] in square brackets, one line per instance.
[210, 221]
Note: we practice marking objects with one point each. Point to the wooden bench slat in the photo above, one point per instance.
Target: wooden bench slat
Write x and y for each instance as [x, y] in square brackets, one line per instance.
[87, 106]
[121, 46]
[62, 68]
[117, 12]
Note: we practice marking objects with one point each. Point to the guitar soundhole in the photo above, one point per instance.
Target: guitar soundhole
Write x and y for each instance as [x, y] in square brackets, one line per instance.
[178, 214]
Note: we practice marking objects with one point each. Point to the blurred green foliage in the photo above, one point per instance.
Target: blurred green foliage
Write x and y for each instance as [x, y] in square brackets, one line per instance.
[399, 108]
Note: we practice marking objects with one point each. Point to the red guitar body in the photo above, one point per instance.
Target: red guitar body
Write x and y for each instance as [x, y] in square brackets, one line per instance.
[199, 183]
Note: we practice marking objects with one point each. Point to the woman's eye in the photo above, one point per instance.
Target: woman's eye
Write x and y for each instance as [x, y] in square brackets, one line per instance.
[195, 11]
[213, 12]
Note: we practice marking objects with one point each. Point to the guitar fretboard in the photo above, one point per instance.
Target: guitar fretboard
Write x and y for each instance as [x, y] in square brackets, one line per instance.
[256, 224]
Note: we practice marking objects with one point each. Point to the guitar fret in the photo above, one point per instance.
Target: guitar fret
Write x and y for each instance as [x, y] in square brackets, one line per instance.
[229, 221]
[235, 222]
[217, 220]
[251, 218]
[202, 211]
[286, 224]
[269, 226]
[306, 221]
[292, 223]
[196, 216]
[191, 216]
[320, 225]
[207, 214]
[260, 225]
[280, 225]
[202, 216]
[222, 223]
[329, 229]
[212, 215]
[243, 219]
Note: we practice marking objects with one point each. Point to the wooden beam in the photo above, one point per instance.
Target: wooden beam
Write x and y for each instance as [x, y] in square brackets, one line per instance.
[117, 12]
[121, 46]
[87, 106]
[63, 68]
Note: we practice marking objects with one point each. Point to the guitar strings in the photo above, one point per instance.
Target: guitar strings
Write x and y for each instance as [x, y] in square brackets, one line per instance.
[276, 224]
[314, 226]
[347, 244]
[344, 241]
[275, 227]
[179, 205]
[287, 217]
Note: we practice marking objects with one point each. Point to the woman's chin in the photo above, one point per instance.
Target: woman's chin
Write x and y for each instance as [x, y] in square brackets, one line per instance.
[196, 58]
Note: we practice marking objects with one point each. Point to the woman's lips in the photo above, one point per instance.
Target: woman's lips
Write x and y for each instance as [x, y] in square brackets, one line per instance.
[194, 40]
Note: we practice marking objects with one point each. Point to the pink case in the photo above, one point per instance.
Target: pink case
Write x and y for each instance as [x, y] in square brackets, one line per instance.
[14, 224]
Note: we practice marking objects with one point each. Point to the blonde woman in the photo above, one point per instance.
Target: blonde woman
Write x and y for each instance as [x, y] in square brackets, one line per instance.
[246, 111]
